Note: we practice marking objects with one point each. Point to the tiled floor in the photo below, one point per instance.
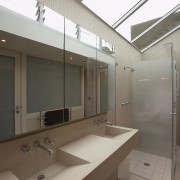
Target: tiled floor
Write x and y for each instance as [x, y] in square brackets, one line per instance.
[177, 175]
[158, 168]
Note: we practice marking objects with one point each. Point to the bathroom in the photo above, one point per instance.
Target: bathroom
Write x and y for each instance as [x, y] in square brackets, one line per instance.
[119, 110]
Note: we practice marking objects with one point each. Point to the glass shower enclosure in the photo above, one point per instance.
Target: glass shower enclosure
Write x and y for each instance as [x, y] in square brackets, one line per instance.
[154, 104]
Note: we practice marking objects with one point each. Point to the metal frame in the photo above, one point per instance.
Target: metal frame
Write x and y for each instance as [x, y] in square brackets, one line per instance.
[155, 42]
[156, 23]
[129, 13]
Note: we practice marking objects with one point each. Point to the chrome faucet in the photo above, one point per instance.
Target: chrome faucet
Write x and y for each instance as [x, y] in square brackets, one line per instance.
[26, 149]
[103, 121]
[48, 141]
[106, 122]
[37, 144]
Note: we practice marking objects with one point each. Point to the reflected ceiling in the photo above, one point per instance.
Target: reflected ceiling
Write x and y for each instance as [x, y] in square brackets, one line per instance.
[141, 22]
[23, 7]
[133, 18]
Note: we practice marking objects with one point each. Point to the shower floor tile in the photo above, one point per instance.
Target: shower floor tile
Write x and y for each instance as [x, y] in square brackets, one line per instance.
[150, 166]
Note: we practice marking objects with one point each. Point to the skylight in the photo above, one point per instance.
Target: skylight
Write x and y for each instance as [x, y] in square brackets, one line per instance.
[152, 10]
[109, 10]
[130, 18]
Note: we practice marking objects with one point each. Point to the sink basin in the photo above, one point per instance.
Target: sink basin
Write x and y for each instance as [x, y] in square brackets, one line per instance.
[63, 163]
[48, 172]
[8, 175]
[111, 131]
[82, 158]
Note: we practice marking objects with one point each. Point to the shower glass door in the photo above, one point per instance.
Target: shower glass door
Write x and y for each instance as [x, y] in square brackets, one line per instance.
[153, 110]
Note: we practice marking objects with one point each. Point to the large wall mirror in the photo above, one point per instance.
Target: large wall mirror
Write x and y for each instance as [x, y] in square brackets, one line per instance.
[52, 71]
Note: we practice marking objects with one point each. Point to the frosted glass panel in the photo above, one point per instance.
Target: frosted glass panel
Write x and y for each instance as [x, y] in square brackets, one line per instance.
[7, 127]
[72, 85]
[152, 105]
[44, 85]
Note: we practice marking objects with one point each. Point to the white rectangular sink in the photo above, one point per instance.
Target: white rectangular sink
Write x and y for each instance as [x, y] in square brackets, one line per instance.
[111, 131]
[64, 161]
[48, 172]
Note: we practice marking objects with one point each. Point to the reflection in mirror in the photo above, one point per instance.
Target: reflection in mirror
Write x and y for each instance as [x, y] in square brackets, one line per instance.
[82, 57]
[102, 87]
[32, 65]
[38, 76]
[33, 83]
[45, 87]
[106, 83]
[28, 8]
[7, 105]
[94, 56]
[53, 20]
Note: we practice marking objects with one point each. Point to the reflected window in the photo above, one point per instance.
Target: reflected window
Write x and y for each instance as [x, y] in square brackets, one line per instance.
[87, 37]
[77, 32]
[44, 85]
[71, 28]
[53, 19]
[107, 47]
[72, 85]
[24, 7]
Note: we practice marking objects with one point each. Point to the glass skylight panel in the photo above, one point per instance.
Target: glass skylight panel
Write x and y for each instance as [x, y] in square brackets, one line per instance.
[53, 20]
[166, 26]
[24, 7]
[148, 14]
[110, 10]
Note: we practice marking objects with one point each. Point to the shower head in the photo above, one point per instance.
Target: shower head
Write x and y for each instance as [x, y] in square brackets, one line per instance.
[129, 68]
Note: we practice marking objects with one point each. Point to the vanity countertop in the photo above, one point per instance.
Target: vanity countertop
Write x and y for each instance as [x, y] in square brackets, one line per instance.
[97, 151]
[94, 156]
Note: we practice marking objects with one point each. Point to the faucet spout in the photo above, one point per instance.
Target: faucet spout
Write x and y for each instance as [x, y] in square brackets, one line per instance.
[98, 122]
[37, 144]
[106, 122]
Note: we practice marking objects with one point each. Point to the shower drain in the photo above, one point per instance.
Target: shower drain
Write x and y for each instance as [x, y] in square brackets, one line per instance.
[146, 164]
